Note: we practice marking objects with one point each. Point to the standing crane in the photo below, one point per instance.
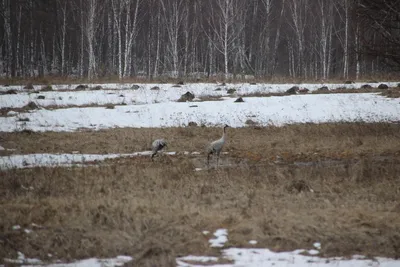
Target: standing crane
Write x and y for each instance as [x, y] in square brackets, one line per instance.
[157, 145]
[216, 146]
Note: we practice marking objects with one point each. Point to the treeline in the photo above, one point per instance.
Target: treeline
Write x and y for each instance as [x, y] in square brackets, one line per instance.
[312, 39]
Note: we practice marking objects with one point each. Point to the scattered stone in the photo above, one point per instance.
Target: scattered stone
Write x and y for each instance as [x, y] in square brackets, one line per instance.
[23, 119]
[239, 100]
[176, 85]
[383, 86]
[293, 90]
[251, 122]
[60, 98]
[97, 87]
[26, 131]
[303, 90]
[46, 88]
[29, 86]
[41, 97]
[192, 124]
[323, 88]
[81, 87]
[188, 96]
[231, 91]
[6, 85]
[297, 186]
[193, 106]
[10, 92]
[31, 105]
[121, 96]
[135, 87]
[155, 88]
[366, 86]
[110, 106]
[218, 89]
[348, 82]
[398, 85]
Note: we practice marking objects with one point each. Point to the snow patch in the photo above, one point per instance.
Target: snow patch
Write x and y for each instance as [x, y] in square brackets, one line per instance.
[93, 262]
[264, 257]
[221, 237]
[278, 111]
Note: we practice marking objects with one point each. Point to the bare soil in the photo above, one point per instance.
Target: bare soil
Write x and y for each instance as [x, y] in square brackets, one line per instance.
[285, 187]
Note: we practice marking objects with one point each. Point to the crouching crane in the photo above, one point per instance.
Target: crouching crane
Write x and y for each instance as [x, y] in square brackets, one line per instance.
[157, 145]
[216, 146]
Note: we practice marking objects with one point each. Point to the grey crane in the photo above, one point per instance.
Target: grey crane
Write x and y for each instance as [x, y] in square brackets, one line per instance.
[157, 145]
[216, 146]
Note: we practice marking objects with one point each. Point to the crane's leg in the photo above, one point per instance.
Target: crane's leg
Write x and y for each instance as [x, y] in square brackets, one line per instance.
[217, 160]
[208, 160]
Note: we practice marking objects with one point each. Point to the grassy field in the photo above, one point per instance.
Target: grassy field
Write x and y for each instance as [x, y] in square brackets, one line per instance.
[285, 187]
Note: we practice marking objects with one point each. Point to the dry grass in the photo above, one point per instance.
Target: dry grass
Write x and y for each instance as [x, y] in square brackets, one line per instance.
[114, 79]
[392, 92]
[157, 211]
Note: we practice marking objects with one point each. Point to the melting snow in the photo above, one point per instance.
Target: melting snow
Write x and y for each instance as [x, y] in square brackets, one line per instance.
[242, 257]
[57, 160]
[93, 262]
[317, 245]
[157, 108]
[221, 237]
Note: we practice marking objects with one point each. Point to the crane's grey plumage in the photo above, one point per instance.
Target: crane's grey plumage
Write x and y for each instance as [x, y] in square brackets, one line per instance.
[216, 146]
[157, 145]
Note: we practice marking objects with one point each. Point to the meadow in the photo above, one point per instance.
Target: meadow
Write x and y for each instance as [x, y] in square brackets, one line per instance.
[284, 185]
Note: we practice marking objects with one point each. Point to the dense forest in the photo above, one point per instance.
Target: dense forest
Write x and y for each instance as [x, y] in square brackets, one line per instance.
[310, 39]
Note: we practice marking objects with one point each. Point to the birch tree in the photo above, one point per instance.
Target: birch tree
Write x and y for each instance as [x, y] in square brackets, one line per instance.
[131, 20]
[225, 29]
[298, 13]
[62, 7]
[173, 15]
[326, 14]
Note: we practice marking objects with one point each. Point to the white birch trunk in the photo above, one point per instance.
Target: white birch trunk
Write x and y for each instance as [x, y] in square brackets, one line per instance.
[90, 33]
[346, 41]
[130, 35]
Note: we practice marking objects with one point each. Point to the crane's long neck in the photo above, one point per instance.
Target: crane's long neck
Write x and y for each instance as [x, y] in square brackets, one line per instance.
[224, 134]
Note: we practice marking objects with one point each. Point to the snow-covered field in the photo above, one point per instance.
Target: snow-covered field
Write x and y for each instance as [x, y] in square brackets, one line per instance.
[144, 107]
[158, 108]
[122, 94]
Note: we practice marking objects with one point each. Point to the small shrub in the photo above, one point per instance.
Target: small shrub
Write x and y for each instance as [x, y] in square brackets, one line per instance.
[81, 87]
[383, 86]
[29, 86]
[46, 88]
[188, 96]
[293, 90]
[231, 91]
